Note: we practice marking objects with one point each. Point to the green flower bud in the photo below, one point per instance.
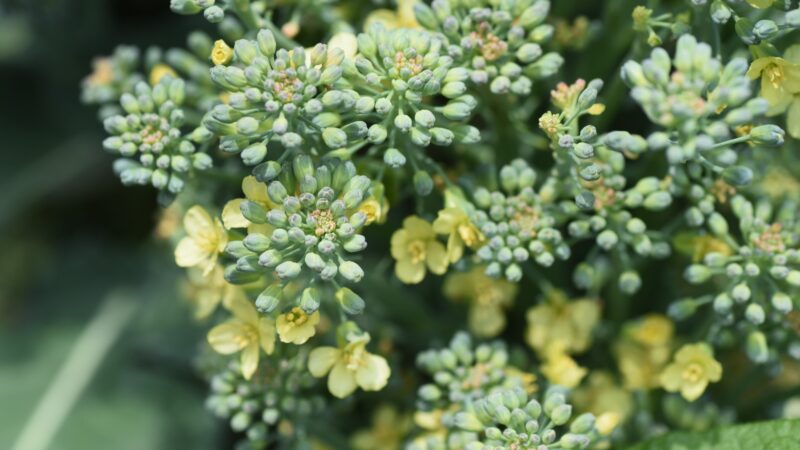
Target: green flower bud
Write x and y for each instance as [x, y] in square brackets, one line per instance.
[782, 302]
[697, 274]
[269, 298]
[767, 135]
[393, 158]
[424, 118]
[423, 183]
[737, 175]
[658, 201]
[351, 271]
[755, 314]
[629, 282]
[377, 134]
[682, 309]
[350, 302]
[288, 270]
[757, 349]
[583, 424]
[457, 111]
[766, 29]
[334, 137]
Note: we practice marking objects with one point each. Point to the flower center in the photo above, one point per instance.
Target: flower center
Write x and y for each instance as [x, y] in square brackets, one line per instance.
[297, 316]
[491, 46]
[468, 234]
[151, 135]
[770, 240]
[324, 222]
[284, 85]
[412, 63]
[417, 251]
[248, 335]
[693, 373]
[774, 74]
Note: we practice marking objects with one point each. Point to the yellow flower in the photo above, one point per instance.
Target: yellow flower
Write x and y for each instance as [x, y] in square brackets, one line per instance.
[415, 247]
[206, 292]
[404, 17]
[256, 192]
[350, 366]
[388, 431]
[559, 368]
[644, 350]
[375, 205]
[563, 324]
[206, 238]
[606, 423]
[487, 297]
[603, 397]
[221, 53]
[245, 332]
[780, 79]
[455, 223]
[296, 327]
[693, 368]
[160, 71]
[779, 182]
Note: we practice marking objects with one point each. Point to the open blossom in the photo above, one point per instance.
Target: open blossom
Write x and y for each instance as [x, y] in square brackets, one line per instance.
[416, 250]
[350, 366]
[296, 326]
[461, 232]
[206, 238]
[245, 332]
[692, 370]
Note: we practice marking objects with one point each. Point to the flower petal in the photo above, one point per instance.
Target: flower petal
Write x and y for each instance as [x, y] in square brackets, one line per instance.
[250, 357]
[227, 337]
[197, 222]
[321, 359]
[232, 214]
[189, 253]
[409, 272]
[436, 257]
[374, 373]
[793, 118]
[341, 381]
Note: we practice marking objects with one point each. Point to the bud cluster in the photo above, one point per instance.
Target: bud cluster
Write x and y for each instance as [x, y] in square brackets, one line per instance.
[282, 392]
[315, 222]
[499, 42]
[510, 418]
[151, 132]
[705, 107]
[517, 223]
[759, 277]
[398, 72]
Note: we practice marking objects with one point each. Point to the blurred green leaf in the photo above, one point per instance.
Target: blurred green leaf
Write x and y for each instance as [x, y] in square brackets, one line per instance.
[772, 435]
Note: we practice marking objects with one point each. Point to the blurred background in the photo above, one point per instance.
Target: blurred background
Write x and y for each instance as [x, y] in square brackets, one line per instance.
[72, 238]
[88, 296]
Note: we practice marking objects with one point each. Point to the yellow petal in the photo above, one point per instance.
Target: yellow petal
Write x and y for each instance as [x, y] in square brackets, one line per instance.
[418, 228]
[693, 391]
[447, 220]
[436, 257]
[232, 216]
[792, 54]
[189, 253]
[455, 248]
[228, 337]
[409, 272]
[250, 357]
[671, 377]
[256, 191]
[243, 309]
[374, 373]
[266, 334]
[341, 381]
[793, 118]
[197, 222]
[399, 247]
[758, 66]
[321, 359]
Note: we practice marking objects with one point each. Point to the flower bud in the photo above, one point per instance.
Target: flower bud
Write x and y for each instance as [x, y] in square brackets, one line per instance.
[755, 314]
[782, 302]
[767, 135]
[423, 183]
[697, 274]
[351, 271]
[756, 347]
[288, 270]
[766, 29]
[269, 298]
[350, 302]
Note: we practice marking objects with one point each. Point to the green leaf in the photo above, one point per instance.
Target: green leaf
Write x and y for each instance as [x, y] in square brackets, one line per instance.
[772, 435]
